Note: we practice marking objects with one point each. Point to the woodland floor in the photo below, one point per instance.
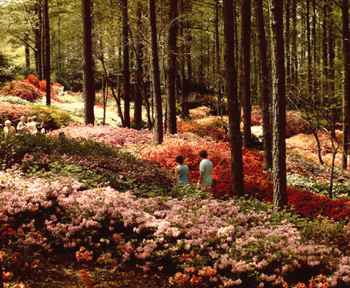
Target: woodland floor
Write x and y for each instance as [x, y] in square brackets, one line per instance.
[60, 272]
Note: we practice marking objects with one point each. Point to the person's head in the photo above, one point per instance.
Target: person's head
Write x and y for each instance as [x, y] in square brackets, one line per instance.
[7, 123]
[23, 118]
[203, 154]
[34, 118]
[30, 119]
[179, 159]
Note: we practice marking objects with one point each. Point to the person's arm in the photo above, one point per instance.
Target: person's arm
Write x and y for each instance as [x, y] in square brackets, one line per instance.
[201, 175]
[177, 172]
[189, 176]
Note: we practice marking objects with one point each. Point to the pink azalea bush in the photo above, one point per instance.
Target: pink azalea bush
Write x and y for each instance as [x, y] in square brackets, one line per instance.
[305, 145]
[197, 241]
[114, 136]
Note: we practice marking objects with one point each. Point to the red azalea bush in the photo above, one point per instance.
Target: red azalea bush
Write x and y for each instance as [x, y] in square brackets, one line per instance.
[30, 89]
[22, 89]
[257, 183]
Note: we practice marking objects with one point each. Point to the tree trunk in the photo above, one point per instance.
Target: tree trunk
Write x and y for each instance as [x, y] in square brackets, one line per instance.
[309, 57]
[88, 85]
[346, 94]
[126, 71]
[288, 43]
[294, 55]
[139, 75]
[325, 51]
[47, 53]
[27, 51]
[188, 50]
[155, 71]
[264, 87]
[331, 72]
[233, 104]
[184, 90]
[278, 104]
[247, 109]
[172, 38]
[217, 58]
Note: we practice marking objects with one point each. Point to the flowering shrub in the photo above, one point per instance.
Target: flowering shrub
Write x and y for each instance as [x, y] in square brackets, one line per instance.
[295, 124]
[197, 241]
[208, 127]
[93, 163]
[200, 112]
[30, 89]
[305, 145]
[13, 112]
[257, 183]
[24, 90]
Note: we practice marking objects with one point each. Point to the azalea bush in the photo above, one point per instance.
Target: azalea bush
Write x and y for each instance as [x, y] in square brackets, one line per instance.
[13, 112]
[203, 242]
[208, 127]
[296, 124]
[257, 182]
[30, 89]
[21, 89]
[52, 118]
[93, 163]
[305, 145]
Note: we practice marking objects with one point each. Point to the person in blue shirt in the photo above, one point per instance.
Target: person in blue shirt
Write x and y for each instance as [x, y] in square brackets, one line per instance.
[182, 172]
[205, 169]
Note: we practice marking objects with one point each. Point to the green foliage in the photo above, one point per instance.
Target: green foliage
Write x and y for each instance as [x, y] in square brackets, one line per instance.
[340, 190]
[52, 118]
[71, 80]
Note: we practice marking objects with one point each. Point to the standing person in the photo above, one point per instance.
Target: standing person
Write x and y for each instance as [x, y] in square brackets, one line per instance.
[9, 129]
[205, 169]
[31, 126]
[21, 126]
[182, 172]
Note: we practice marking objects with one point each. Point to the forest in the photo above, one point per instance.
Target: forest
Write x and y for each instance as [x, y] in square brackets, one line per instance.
[120, 89]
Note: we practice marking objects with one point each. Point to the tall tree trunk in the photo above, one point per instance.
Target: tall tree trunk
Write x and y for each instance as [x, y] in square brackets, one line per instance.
[247, 109]
[278, 104]
[288, 42]
[264, 87]
[156, 78]
[233, 104]
[47, 53]
[325, 51]
[294, 54]
[188, 50]
[27, 51]
[126, 70]
[331, 72]
[38, 42]
[346, 94]
[139, 75]
[217, 58]
[88, 85]
[184, 91]
[172, 39]
[309, 57]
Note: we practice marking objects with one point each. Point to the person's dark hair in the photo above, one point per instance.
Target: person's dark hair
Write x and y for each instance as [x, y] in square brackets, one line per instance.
[179, 159]
[203, 154]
